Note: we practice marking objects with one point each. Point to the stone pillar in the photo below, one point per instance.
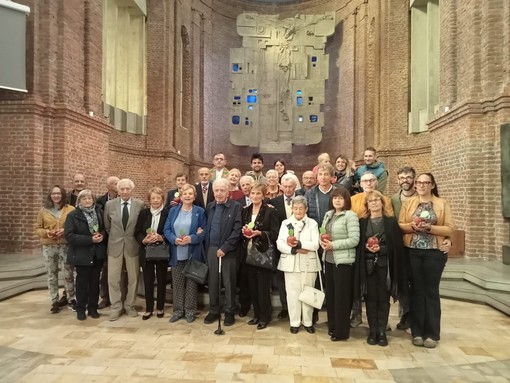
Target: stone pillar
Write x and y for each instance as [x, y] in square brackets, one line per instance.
[505, 183]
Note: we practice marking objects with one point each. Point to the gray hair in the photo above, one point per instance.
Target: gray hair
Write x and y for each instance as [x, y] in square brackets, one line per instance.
[300, 200]
[127, 182]
[290, 177]
[221, 182]
[85, 193]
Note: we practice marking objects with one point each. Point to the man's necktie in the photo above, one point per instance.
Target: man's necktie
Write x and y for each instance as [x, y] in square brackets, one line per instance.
[248, 201]
[289, 200]
[125, 215]
[204, 189]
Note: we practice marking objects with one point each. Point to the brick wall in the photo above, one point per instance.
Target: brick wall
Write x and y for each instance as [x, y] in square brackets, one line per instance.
[48, 134]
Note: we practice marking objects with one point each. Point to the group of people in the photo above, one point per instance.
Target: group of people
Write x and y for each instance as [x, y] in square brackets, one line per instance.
[337, 223]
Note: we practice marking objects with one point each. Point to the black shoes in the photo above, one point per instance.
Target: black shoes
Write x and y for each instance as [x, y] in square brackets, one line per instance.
[93, 314]
[335, 339]
[55, 308]
[146, 316]
[372, 339]
[310, 329]
[283, 314]
[81, 315]
[62, 301]
[160, 314]
[261, 326]
[175, 317]
[229, 320]
[381, 339]
[294, 330]
[211, 318]
[253, 321]
[72, 304]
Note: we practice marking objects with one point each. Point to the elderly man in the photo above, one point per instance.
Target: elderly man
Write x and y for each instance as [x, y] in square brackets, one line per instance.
[246, 182]
[219, 170]
[204, 188]
[283, 206]
[111, 191]
[222, 240]
[120, 218]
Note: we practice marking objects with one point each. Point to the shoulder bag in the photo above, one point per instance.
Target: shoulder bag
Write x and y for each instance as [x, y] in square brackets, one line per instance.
[196, 270]
[310, 295]
[264, 259]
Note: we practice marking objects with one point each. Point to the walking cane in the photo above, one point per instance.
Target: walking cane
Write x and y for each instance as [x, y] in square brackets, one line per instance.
[219, 331]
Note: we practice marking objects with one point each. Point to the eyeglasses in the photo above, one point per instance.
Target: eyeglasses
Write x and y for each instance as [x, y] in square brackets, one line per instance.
[408, 178]
[423, 183]
[369, 181]
[373, 200]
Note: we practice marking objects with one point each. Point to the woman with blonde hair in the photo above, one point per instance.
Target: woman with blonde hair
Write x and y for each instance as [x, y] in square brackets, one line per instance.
[379, 267]
[184, 230]
[149, 231]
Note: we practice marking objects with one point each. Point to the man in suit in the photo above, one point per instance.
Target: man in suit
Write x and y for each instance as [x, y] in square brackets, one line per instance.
[120, 218]
[222, 240]
[283, 206]
[204, 189]
[171, 199]
[219, 170]
[246, 182]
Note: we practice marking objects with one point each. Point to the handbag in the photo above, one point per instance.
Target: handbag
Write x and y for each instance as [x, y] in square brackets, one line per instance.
[312, 296]
[196, 271]
[265, 259]
[157, 252]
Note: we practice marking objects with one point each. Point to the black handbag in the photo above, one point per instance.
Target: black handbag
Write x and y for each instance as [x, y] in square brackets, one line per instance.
[157, 252]
[196, 271]
[257, 256]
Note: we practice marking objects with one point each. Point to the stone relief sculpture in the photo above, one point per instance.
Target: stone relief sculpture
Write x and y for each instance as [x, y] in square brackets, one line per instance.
[278, 78]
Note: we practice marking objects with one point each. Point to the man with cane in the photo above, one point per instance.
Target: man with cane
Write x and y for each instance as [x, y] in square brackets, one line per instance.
[222, 241]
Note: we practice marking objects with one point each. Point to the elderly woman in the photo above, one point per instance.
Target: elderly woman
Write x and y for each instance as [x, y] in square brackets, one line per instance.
[379, 261]
[184, 232]
[299, 262]
[260, 226]
[86, 235]
[234, 175]
[343, 173]
[342, 227]
[426, 221]
[50, 230]
[273, 187]
[149, 231]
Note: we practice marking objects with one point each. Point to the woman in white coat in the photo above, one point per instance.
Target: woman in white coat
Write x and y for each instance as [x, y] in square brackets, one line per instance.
[299, 262]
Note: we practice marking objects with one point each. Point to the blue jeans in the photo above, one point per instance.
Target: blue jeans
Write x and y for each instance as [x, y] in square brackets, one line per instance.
[426, 269]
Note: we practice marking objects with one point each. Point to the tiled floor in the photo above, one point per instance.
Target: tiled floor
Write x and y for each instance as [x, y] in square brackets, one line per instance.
[36, 346]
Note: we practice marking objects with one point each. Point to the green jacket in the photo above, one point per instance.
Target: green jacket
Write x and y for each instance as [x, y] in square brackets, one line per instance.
[345, 236]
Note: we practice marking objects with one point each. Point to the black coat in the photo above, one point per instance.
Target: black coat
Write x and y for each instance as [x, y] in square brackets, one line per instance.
[279, 205]
[395, 254]
[81, 250]
[230, 231]
[266, 221]
[143, 223]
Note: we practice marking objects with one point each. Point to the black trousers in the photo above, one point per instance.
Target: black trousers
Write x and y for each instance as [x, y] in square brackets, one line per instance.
[244, 288]
[259, 280]
[229, 270]
[339, 295]
[154, 270]
[426, 269]
[87, 286]
[377, 300]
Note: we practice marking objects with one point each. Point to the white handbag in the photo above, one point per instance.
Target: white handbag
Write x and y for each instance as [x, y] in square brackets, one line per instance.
[310, 295]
